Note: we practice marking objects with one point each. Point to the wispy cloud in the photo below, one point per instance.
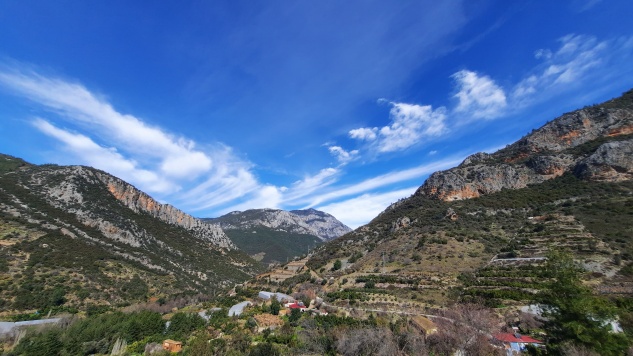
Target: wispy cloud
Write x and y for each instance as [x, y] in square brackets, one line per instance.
[584, 5]
[145, 155]
[107, 159]
[383, 180]
[479, 96]
[342, 155]
[578, 58]
[359, 210]
[410, 123]
[310, 184]
[178, 156]
[267, 196]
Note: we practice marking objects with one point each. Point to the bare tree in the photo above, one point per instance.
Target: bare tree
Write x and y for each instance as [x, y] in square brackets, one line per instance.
[367, 341]
[466, 329]
[570, 349]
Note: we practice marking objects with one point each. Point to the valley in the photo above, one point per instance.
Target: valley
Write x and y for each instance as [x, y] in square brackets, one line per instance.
[547, 220]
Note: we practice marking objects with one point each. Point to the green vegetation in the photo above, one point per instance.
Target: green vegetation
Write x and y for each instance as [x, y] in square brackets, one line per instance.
[94, 335]
[57, 261]
[277, 246]
[574, 313]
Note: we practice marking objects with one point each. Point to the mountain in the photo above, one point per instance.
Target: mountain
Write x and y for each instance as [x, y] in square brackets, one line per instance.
[77, 236]
[481, 230]
[274, 235]
[594, 143]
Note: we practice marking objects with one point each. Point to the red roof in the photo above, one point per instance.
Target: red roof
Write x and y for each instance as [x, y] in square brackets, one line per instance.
[295, 306]
[507, 337]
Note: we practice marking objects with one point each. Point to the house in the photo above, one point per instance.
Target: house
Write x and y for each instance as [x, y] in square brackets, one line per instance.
[516, 343]
[296, 305]
[172, 346]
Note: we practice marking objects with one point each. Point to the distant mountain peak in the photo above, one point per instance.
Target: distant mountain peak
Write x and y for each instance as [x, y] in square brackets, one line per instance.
[274, 235]
[308, 221]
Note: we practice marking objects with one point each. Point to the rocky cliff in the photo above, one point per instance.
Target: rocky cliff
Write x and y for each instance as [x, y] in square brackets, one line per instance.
[138, 201]
[82, 222]
[594, 143]
[483, 229]
[274, 236]
[309, 222]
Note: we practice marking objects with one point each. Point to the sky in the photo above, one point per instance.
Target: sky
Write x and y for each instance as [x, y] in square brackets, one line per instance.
[341, 106]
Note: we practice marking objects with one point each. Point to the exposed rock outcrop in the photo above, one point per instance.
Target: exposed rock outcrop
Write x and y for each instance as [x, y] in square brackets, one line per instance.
[611, 162]
[138, 201]
[67, 193]
[558, 147]
[309, 222]
[103, 231]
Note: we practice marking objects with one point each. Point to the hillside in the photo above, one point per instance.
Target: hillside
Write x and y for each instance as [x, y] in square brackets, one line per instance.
[76, 236]
[480, 231]
[274, 236]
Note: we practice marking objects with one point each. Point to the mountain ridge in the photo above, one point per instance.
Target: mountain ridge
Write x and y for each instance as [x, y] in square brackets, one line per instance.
[476, 232]
[80, 221]
[275, 236]
[308, 221]
[546, 153]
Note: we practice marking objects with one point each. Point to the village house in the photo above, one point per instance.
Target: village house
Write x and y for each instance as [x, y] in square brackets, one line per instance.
[296, 305]
[516, 343]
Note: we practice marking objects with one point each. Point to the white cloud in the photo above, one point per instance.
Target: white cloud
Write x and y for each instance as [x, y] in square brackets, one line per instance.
[310, 184]
[478, 96]
[107, 159]
[410, 123]
[267, 196]
[342, 155]
[543, 54]
[178, 156]
[360, 210]
[364, 133]
[145, 155]
[577, 58]
[382, 180]
[230, 179]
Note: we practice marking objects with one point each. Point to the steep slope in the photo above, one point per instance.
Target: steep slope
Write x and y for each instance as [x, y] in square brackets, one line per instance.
[92, 238]
[595, 143]
[274, 235]
[566, 185]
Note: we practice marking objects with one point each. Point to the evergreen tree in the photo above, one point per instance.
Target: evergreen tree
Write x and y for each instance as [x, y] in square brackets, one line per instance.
[275, 306]
[574, 313]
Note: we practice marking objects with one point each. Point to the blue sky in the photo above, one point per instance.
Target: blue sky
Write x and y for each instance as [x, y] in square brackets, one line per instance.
[346, 107]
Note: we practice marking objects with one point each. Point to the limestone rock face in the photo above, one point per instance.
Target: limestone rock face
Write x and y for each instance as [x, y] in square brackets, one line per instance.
[612, 161]
[471, 182]
[106, 218]
[578, 127]
[560, 146]
[67, 193]
[139, 201]
[310, 222]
